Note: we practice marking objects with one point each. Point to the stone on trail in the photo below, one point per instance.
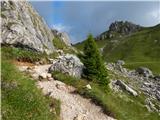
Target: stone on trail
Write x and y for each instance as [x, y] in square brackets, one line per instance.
[43, 76]
[68, 64]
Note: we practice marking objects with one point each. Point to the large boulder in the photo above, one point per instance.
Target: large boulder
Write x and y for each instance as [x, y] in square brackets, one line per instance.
[144, 71]
[68, 64]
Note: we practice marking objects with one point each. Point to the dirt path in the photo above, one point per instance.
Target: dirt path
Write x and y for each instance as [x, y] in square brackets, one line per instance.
[73, 106]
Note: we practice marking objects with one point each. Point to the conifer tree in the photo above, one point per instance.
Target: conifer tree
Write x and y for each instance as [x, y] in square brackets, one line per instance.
[94, 65]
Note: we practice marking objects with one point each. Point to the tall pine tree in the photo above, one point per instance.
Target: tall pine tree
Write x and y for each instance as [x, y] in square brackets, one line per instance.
[94, 65]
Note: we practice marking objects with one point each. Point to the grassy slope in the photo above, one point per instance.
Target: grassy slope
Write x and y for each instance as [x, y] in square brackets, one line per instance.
[100, 44]
[139, 49]
[141, 46]
[122, 106]
[20, 97]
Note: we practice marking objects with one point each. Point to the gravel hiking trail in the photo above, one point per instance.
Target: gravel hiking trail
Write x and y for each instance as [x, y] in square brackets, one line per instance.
[73, 106]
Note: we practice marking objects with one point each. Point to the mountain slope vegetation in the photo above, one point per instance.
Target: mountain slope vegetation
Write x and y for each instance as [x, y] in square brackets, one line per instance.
[140, 48]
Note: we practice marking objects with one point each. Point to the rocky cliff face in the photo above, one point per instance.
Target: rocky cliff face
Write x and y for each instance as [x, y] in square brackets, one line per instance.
[119, 29]
[124, 27]
[62, 35]
[23, 27]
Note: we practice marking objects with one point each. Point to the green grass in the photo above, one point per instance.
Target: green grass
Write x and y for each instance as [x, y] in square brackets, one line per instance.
[100, 44]
[25, 55]
[20, 98]
[121, 106]
[142, 47]
[59, 44]
[139, 49]
[154, 66]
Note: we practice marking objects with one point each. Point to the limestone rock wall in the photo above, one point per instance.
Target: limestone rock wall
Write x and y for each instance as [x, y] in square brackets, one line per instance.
[22, 26]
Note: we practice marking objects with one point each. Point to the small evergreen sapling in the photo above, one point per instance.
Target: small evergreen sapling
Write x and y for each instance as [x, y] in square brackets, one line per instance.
[94, 65]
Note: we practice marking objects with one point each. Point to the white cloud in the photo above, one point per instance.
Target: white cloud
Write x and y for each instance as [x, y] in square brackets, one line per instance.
[152, 17]
[155, 14]
[62, 28]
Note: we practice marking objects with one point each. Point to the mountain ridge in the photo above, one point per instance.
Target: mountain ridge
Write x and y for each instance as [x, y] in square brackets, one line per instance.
[140, 47]
[119, 29]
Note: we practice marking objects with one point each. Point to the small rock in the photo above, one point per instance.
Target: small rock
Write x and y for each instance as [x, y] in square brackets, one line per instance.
[51, 60]
[30, 69]
[88, 87]
[144, 71]
[79, 117]
[120, 62]
[60, 86]
[157, 77]
[150, 105]
[60, 52]
[158, 95]
[43, 76]
[50, 79]
[48, 94]
[49, 75]
[37, 63]
[148, 108]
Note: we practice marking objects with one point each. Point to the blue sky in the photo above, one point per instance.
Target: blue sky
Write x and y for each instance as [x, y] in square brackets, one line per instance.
[80, 18]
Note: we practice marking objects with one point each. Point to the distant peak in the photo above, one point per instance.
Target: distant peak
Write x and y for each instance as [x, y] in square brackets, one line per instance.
[124, 27]
[119, 29]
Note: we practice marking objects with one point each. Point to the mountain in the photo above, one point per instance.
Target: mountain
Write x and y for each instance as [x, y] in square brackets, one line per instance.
[140, 46]
[139, 49]
[137, 46]
[119, 29]
[23, 27]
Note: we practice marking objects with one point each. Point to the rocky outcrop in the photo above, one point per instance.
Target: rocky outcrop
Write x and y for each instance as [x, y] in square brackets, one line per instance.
[123, 27]
[63, 36]
[142, 78]
[143, 81]
[151, 88]
[68, 64]
[119, 29]
[21, 26]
